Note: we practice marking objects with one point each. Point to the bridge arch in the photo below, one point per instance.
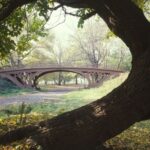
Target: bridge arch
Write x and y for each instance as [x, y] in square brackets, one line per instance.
[61, 70]
[27, 77]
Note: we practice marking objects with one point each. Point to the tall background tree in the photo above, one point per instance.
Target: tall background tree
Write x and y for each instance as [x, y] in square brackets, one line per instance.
[97, 46]
[89, 41]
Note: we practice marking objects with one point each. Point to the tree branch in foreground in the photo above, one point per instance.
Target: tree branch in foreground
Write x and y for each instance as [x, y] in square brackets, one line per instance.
[11, 6]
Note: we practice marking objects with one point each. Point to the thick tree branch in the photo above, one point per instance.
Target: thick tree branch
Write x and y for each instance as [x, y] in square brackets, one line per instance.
[19, 133]
[73, 3]
[11, 6]
[84, 17]
[14, 4]
[107, 10]
[89, 15]
[127, 21]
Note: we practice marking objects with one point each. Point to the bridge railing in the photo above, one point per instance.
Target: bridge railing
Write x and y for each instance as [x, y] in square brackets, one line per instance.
[42, 66]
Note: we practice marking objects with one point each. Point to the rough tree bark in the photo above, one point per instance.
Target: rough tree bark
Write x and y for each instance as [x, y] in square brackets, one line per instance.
[93, 124]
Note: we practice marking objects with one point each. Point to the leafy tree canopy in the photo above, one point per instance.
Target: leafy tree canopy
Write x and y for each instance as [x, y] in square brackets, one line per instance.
[21, 27]
[15, 24]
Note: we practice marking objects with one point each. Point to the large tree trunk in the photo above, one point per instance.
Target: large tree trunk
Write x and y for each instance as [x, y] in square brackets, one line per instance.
[93, 124]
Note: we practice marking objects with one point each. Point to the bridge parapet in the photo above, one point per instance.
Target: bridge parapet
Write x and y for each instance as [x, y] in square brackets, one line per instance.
[49, 66]
[42, 66]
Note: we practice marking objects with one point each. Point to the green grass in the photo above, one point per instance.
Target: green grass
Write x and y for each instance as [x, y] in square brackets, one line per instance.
[137, 137]
[15, 91]
[69, 101]
[9, 89]
[76, 99]
[85, 96]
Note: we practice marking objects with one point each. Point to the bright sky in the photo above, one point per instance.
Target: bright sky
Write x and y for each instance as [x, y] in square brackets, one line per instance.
[62, 26]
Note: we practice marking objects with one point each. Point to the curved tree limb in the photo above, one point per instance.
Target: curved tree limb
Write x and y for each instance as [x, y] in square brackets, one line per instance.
[11, 6]
[14, 4]
[86, 127]
[127, 21]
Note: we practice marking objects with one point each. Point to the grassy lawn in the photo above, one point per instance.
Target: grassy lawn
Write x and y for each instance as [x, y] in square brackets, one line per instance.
[8, 89]
[137, 137]
[15, 91]
[85, 96]
[68, 101]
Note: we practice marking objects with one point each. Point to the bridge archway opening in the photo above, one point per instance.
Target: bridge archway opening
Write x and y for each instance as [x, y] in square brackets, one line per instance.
[61, 80]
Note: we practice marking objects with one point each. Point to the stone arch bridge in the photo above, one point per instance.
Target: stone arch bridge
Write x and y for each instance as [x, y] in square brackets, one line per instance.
[27, 77]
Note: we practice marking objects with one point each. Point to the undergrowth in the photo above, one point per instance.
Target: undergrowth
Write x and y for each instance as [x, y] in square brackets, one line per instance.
[137, 137]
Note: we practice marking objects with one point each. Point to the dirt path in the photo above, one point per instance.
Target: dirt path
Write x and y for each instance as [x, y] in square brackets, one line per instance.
[36, 97]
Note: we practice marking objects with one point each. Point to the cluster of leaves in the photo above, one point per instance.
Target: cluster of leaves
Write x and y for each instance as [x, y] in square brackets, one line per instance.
[43, 8]
[13, 25]
[10, 27]
[22, 26]
[83, 13]
[34, 29]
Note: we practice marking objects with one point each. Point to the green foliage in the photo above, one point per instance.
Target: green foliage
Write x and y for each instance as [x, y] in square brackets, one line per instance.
[10, 27]
[22, 44]
[119, 62]
[21, 27]
[13, 25]
[32, 29]
[43, 8]
[82, 13]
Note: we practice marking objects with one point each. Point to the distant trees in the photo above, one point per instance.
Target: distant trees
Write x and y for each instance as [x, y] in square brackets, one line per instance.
[119, 56]
[98, 47]
[90, 43]
[87, 48]
[50, 52]
[41, 53]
